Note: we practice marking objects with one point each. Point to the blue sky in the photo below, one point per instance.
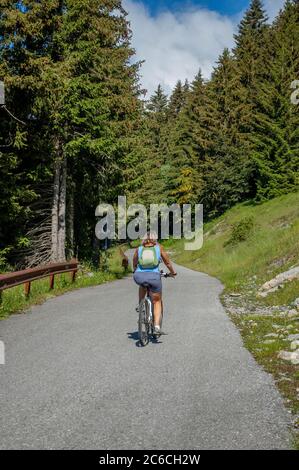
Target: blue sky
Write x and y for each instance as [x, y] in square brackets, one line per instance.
[228, 7]
[176, 38]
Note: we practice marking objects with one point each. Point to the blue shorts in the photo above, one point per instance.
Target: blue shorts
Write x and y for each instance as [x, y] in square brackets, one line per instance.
[151, 280]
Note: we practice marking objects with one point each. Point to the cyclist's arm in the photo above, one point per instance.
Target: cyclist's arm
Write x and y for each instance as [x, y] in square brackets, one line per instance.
[135, 260]
[166, 261]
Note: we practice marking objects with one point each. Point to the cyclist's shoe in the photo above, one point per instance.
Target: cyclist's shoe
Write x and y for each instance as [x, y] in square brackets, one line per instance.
[157, 331]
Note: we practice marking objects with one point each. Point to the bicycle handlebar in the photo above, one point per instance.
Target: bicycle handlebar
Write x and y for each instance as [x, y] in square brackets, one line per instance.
[166, 274]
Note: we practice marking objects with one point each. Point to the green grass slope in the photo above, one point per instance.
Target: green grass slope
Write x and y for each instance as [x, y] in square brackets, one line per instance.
[249, 240]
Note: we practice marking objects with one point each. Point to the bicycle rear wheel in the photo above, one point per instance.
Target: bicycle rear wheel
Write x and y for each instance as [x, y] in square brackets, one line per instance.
[143, 323]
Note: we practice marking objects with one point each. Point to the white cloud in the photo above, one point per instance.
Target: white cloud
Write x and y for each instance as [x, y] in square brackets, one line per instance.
[175, 45]
[273, 7]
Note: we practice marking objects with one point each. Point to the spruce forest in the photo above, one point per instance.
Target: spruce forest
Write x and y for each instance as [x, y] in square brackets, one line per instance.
[76, 129]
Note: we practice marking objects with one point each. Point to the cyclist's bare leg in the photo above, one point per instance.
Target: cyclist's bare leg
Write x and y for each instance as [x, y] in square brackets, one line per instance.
[157, 301]
[142, 293]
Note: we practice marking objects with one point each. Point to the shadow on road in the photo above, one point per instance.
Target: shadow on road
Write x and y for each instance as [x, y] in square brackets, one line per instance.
[134, 337]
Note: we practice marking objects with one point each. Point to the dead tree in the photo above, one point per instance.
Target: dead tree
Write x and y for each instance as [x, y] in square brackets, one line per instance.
[58, 231]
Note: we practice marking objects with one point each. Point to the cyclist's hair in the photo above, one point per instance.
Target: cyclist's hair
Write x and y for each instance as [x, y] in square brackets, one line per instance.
[150, 237]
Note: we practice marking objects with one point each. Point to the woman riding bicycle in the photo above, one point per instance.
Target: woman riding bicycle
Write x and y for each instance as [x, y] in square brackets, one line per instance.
[146, 261]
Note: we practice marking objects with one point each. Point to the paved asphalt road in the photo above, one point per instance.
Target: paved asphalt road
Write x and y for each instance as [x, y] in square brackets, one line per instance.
[75, 379]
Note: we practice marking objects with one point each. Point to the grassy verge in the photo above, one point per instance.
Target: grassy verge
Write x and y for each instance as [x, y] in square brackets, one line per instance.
[265, 336]
[14, 300]
[247, 246]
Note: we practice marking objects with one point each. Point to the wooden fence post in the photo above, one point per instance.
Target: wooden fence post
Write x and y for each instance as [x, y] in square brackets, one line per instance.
[27, 288]
[52, 277]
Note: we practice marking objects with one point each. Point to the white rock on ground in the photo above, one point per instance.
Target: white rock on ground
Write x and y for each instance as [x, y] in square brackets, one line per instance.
[295, 344]
[277, 281]
[293, 313]
[272, 335]
[267, 292]
[292, 357]
[293, 337]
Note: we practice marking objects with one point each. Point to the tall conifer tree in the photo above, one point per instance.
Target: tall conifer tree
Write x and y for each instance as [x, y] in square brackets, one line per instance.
[276, 125]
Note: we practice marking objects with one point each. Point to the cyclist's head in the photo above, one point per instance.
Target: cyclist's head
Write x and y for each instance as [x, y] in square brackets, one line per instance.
[150, 238]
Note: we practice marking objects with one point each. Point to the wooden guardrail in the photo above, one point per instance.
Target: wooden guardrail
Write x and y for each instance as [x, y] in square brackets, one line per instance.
[28, 275]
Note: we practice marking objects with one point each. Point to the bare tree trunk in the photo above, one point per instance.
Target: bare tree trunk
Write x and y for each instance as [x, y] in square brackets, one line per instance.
[71, 221]
[62, 212]
[96, 253]
[58, 206]
[55, 210]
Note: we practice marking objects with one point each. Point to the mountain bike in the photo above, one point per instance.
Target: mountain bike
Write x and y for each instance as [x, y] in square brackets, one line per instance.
[146, 315]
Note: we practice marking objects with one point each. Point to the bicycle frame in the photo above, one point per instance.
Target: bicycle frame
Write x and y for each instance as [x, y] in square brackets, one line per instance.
[146, 316]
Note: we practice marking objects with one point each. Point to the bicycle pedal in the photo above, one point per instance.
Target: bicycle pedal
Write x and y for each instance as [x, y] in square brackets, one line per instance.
[161, 333]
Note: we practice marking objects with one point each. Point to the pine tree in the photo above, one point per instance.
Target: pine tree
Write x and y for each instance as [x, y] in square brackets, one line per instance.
[276, 126]
[69, 75]
[250, 55]
[157, 115]
[225, 170]
[249, 52]
[186, 88]
[158, 102]
[100, 106]
[189, 140]
[152, 149]
[177, 99]
[27, 51]
[253, 22]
